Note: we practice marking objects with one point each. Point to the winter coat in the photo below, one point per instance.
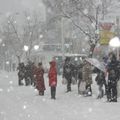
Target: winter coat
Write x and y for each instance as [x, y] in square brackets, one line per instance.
[52, 74]
[67, 71]
[21, 72]
[39, 76]
[87, 74]
[100, 78]
[113, 71]
[28, 72]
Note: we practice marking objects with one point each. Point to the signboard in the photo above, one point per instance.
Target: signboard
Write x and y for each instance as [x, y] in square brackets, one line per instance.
[106, 34]
[105, 37]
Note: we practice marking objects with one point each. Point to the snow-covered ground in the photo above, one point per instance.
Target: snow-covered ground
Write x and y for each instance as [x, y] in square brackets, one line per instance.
[24, 103]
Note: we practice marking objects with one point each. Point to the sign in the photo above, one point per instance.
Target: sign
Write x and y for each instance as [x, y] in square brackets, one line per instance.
[105, 37]
[106, 34]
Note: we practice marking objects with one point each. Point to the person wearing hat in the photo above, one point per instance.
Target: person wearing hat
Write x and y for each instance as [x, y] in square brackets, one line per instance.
[39, 76]
[52, 75]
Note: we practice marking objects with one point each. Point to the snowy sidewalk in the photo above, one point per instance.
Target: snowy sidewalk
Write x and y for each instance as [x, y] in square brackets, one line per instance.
[23, 103]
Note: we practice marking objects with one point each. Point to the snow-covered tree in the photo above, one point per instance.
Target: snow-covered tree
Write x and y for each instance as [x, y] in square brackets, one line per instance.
[27, 32]
[33, 27]
[85, 15]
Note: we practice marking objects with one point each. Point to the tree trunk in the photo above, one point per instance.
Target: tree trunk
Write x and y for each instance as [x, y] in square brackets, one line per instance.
[92, 47]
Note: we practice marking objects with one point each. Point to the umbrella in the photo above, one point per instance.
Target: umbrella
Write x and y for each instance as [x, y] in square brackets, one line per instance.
[96, 63]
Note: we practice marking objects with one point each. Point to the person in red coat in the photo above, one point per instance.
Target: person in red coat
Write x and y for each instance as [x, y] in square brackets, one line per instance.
[53, 78]
[39, 76]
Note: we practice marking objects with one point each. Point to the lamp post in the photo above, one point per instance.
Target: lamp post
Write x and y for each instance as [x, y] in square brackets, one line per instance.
[36, 48]
[115, 42]
[26, 48]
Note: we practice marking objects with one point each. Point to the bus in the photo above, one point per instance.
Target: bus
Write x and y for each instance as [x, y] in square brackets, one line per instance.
[75, 59]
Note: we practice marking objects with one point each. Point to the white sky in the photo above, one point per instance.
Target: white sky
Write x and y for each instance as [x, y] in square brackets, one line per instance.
[12, 6]
[17, 5]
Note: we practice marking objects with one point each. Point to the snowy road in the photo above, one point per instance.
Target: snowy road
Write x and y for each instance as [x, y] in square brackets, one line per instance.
[23, 103]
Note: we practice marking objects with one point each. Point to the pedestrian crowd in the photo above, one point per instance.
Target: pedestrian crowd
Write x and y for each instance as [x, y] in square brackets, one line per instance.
[34, 75]
[106, 80]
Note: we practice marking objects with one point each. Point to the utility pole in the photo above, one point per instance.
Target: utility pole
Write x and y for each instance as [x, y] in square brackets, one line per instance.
[62, 39]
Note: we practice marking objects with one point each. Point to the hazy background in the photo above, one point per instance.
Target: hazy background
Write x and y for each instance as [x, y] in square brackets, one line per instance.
[13, 6]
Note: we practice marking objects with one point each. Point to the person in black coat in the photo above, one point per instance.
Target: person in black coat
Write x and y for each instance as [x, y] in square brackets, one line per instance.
[21, 73]
[100, 80]
[67, 73]
[113, 77]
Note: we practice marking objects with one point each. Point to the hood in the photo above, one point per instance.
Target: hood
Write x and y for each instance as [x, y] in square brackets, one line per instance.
[53, 63]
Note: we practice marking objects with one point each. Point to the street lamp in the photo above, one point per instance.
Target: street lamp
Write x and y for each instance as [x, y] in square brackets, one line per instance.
[3, 44]
[7, 62]
[36, 58]
[26, 48]
[41, 36]
[28, 18]
[115, 42]
[36, 47]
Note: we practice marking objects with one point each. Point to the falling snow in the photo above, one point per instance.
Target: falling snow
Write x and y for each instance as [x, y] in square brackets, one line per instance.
[42, 29]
